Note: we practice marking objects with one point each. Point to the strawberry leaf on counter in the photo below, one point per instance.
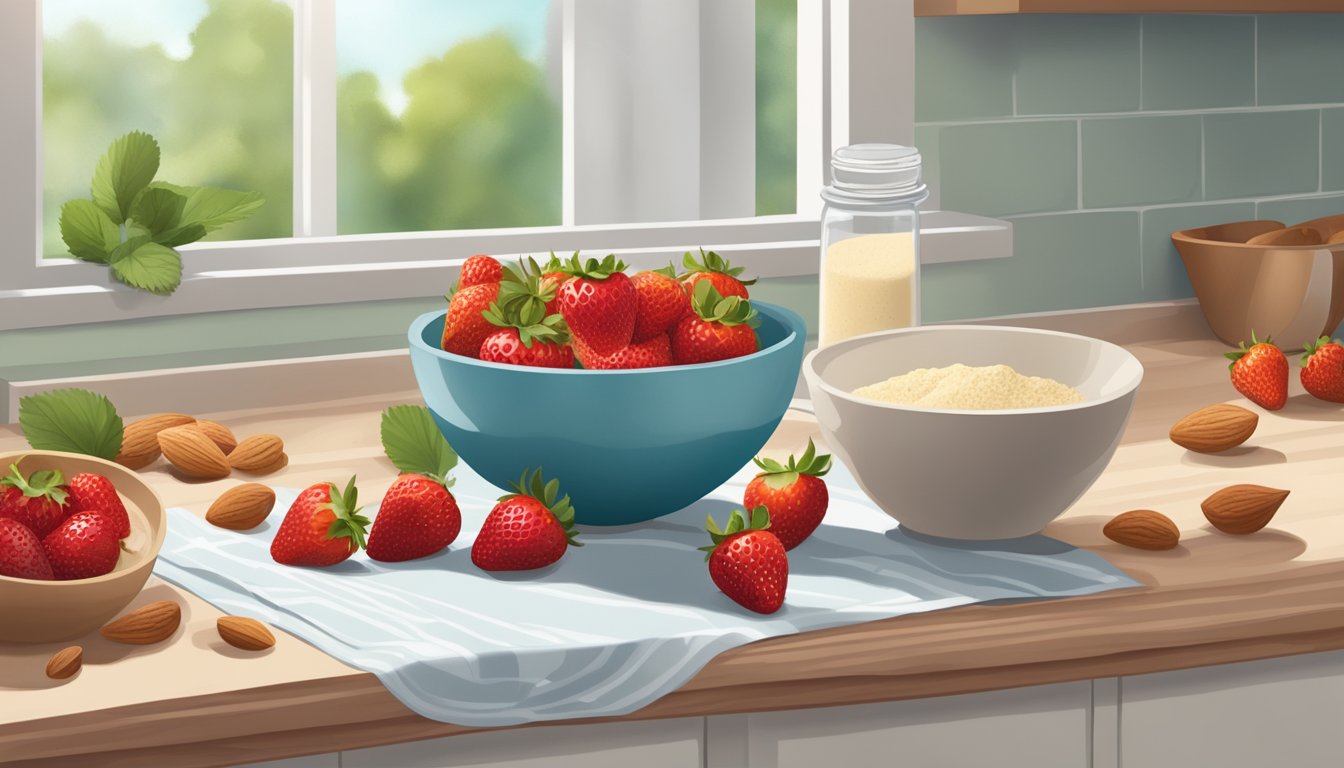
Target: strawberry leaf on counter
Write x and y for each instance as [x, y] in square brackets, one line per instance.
[74, 420]
[414, 443]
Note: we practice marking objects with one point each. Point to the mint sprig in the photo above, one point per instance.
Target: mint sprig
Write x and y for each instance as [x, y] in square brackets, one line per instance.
[415, 445]
[72, 420]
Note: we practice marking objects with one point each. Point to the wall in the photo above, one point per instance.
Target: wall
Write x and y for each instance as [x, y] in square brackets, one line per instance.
[1098, 135]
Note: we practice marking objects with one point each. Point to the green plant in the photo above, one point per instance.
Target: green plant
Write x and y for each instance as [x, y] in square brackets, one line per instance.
[134, 224]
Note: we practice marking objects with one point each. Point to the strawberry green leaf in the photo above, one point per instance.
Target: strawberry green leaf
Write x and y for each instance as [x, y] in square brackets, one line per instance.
[127, 167]
[349, 524]
[212, 208]
[87, 231]
[414, 443]
[44, 482]
[158, 210]
[74, 420]
[147, 265]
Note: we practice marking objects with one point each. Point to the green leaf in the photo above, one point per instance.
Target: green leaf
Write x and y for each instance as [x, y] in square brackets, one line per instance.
[87, 231]
[180, 235]
[212, 208]
[158, 210]
[74, 420]
[127, 167]
[147, 265]
[414, 443]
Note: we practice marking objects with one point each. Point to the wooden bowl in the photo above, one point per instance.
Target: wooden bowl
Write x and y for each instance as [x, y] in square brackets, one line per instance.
[45, 611]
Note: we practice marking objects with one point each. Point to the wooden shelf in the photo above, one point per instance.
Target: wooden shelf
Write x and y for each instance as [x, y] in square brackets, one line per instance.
[984, 7]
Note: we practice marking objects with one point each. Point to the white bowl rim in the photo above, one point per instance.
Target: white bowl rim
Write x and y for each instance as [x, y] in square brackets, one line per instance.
[1126, 390]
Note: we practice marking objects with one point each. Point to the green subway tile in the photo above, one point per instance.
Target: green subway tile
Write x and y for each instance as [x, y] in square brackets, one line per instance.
[1075, 64]
[1059, 261]
[1261, 153]
[1140, 161]
[1295, 210]
[997, 169]
[1195, 62]
[1164, 275]
[1332, 149]
[963, 67]
[1300, 58]
[926, 140]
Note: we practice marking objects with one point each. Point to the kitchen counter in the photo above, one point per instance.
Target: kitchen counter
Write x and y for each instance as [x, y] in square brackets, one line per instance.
[1215, 599]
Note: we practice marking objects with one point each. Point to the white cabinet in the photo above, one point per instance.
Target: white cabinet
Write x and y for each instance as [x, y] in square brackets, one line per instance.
[1277, 712]
[654, 744]
[1040, 727]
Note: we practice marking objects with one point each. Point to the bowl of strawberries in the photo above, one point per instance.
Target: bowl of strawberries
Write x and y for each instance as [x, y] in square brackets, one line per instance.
[78, 539]
[639, 392]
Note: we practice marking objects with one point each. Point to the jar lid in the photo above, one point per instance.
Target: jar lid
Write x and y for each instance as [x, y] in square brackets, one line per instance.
[876, 172]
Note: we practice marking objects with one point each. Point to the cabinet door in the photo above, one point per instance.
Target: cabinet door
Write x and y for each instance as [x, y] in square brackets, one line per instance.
[654, 744]
[1040, 727]
[1277, 712]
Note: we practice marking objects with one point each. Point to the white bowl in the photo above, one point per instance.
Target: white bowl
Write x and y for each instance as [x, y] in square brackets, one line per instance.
[966, 474]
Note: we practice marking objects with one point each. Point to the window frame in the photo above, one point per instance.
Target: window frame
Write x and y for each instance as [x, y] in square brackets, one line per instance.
[855, 83]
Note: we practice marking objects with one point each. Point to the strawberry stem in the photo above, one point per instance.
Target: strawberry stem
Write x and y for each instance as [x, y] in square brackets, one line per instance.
[534, 486]
[44, 483]
[737, 523]
[349, 524]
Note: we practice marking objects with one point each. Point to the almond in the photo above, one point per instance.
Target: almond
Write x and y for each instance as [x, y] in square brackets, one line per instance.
[219, 434]
[1143, 529]
[145, 625]
[1243, 508]
[140, 439]
[193, 454]
[65, 662]
[242, 632]
[242, 507]
[258, 454]
[1215, 428]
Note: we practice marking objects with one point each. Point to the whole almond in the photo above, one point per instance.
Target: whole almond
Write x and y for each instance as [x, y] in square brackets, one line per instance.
[140, 439]
[258, 454]
[219, 434]
[242, 632]
[1143, 529]
[145, 625]
[1243, 508]
[65, 662]
[1215, 428]
[242, 507]
[193, 454]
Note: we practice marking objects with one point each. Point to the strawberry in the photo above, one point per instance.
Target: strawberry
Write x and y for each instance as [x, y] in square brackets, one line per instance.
[599, 303]
[90, 492]
[747, 562]
[660, 301]
[479, 270]
[1260, 373]
[418, 518]
[715, 269]
[794, 494]
[1323, 370]
[651, 353]
[554, 272]
[507, 346]
[322, 527]
[527, 529]
[525, 334]
[717, 328]
[83, 546]
[37, 501]
[21, 553]
[464, 328]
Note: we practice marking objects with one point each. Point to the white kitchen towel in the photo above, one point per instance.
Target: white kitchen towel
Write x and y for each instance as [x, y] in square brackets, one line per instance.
[627, 618]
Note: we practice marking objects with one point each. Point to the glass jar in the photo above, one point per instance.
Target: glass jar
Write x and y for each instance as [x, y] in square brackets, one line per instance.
[869, 276]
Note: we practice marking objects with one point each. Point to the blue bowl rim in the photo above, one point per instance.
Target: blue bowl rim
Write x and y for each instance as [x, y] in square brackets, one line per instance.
[792, 321]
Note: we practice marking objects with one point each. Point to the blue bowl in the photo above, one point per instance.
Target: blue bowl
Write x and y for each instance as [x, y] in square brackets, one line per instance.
[627, 446]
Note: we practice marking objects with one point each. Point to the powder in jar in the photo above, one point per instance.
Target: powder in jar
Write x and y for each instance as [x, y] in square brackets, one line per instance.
[991, 387]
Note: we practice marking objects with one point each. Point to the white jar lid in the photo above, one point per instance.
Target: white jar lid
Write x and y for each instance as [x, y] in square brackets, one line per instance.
[889, 172]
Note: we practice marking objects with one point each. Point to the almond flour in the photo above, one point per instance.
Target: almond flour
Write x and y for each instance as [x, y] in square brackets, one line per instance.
[992, 387]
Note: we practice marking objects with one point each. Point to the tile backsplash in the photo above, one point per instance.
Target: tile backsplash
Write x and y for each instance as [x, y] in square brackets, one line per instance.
[1098, 135]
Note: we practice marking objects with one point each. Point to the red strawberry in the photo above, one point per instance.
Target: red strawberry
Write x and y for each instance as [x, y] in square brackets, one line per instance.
[479, 270]
[555, 273]
[418, 518]
[652, 353]
[506, 346]
[525, 530]
[747, 562]
[716, 270]
[717, 328]
[1260, 373]
[90, 492]
[37, 501]
[1323, 370]
[83, 546]
[21, 553]
[794, 493]
[660, 301]
[599, 303]
[524, 333]
[464, 328]
[322, 527]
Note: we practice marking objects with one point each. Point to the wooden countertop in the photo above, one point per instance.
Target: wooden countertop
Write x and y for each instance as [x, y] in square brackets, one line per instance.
[1214, 599]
